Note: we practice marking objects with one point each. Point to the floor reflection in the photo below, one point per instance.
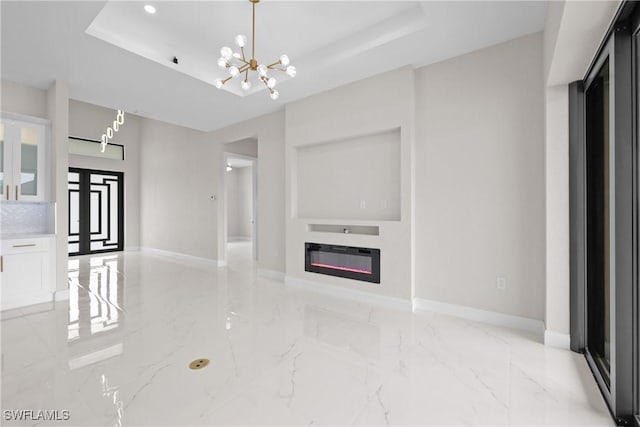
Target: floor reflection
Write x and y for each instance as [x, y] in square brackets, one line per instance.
[96, 319]
[112, 393]
[341, 331]
[95, 299]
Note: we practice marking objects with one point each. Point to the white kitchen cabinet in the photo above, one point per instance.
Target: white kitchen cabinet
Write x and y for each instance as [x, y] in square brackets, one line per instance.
[23, 147]
[27, 271]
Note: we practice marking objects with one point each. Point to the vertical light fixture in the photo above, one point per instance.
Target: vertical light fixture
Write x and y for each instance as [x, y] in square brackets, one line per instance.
[111, 130]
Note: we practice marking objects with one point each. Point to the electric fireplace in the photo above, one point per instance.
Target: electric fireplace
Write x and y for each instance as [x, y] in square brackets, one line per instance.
[343, 261]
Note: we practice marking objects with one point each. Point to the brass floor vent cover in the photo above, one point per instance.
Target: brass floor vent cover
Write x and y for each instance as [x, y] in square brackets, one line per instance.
[199, 364]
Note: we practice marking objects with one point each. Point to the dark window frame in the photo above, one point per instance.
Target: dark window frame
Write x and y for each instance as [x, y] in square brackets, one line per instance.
[622, 397]
[635, 64]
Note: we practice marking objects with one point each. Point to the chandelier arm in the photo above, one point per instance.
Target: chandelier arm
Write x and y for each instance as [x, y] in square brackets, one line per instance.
[244, 68]
[226, 80]
[246, 75]
[274, 64]
[243, 61]
[279, 69]
[242, 50]
[264, 80]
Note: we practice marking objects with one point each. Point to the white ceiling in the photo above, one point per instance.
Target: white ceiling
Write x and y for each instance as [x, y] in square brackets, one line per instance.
[115, 55]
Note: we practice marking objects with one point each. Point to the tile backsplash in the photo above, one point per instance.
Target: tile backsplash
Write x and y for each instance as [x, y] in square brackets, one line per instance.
[20, 218]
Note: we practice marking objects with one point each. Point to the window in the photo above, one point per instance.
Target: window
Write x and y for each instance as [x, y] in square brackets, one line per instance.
[88, 147]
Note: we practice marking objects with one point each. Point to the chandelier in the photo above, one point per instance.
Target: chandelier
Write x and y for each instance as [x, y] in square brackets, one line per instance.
[238, 65]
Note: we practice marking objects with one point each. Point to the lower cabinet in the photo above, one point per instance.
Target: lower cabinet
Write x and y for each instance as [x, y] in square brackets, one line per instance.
[27, 272]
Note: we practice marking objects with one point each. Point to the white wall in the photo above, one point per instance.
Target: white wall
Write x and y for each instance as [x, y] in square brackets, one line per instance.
[371, 106]
[17, 98]
[90, 121]
[557, 208]
[573, 32]
[356, 178]
[246, 147]
[178, 176]
[480, 179]
[58, 113]
[239, 203]
[268, 130]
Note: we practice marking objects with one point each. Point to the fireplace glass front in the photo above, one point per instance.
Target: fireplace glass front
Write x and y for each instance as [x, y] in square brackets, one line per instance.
[343, 261]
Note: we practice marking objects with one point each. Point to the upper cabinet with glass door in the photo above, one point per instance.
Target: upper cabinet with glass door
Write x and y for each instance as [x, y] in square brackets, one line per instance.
[23, 160]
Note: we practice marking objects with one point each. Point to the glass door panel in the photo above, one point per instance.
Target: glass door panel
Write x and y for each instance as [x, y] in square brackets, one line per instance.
[74, 213]
[105, 196]
[598, 236]
[29, 147]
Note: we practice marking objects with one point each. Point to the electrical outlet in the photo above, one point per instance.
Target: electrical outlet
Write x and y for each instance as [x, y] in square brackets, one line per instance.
[501, 283]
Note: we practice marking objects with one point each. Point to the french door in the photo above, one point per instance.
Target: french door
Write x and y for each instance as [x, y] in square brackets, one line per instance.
[96, 211]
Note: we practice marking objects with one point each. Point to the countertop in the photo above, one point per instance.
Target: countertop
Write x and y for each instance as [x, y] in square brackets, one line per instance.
[19, 236]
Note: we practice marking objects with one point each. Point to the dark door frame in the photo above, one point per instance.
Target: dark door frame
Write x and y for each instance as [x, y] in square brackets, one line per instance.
[85, 210]
[617, 48]
[635, 63]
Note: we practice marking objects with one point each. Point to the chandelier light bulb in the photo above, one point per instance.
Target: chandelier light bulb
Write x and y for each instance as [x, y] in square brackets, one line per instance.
[218, 83]
[234, 71]
[274, 94]
[246, 85]
[241, 40]
[271, 83]
[262, 70]
[284, 60]
[237, 55]
[226, 52]
[222, 63]
[291, 71]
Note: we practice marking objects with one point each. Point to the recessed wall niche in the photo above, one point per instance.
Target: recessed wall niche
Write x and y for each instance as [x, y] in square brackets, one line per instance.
[355, 178]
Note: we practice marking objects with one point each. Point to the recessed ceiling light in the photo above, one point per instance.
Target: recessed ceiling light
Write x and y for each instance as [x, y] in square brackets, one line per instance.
[149, 9]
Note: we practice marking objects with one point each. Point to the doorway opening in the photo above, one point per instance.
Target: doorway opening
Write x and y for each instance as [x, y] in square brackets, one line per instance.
[96, 211]
[241, 204]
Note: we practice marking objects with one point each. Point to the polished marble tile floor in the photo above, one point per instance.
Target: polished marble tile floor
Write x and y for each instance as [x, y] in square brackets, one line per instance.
[117, 353]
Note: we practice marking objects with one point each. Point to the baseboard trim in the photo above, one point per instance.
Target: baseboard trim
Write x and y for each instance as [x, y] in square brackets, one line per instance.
[183, 257]
[557, 339]
[271, 274]
[345, 293]
[234, 239]
[61, 295]
[484, 316]
[132, 249]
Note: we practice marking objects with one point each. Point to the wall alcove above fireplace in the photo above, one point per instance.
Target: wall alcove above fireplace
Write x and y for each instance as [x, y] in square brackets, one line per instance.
[356, 178]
